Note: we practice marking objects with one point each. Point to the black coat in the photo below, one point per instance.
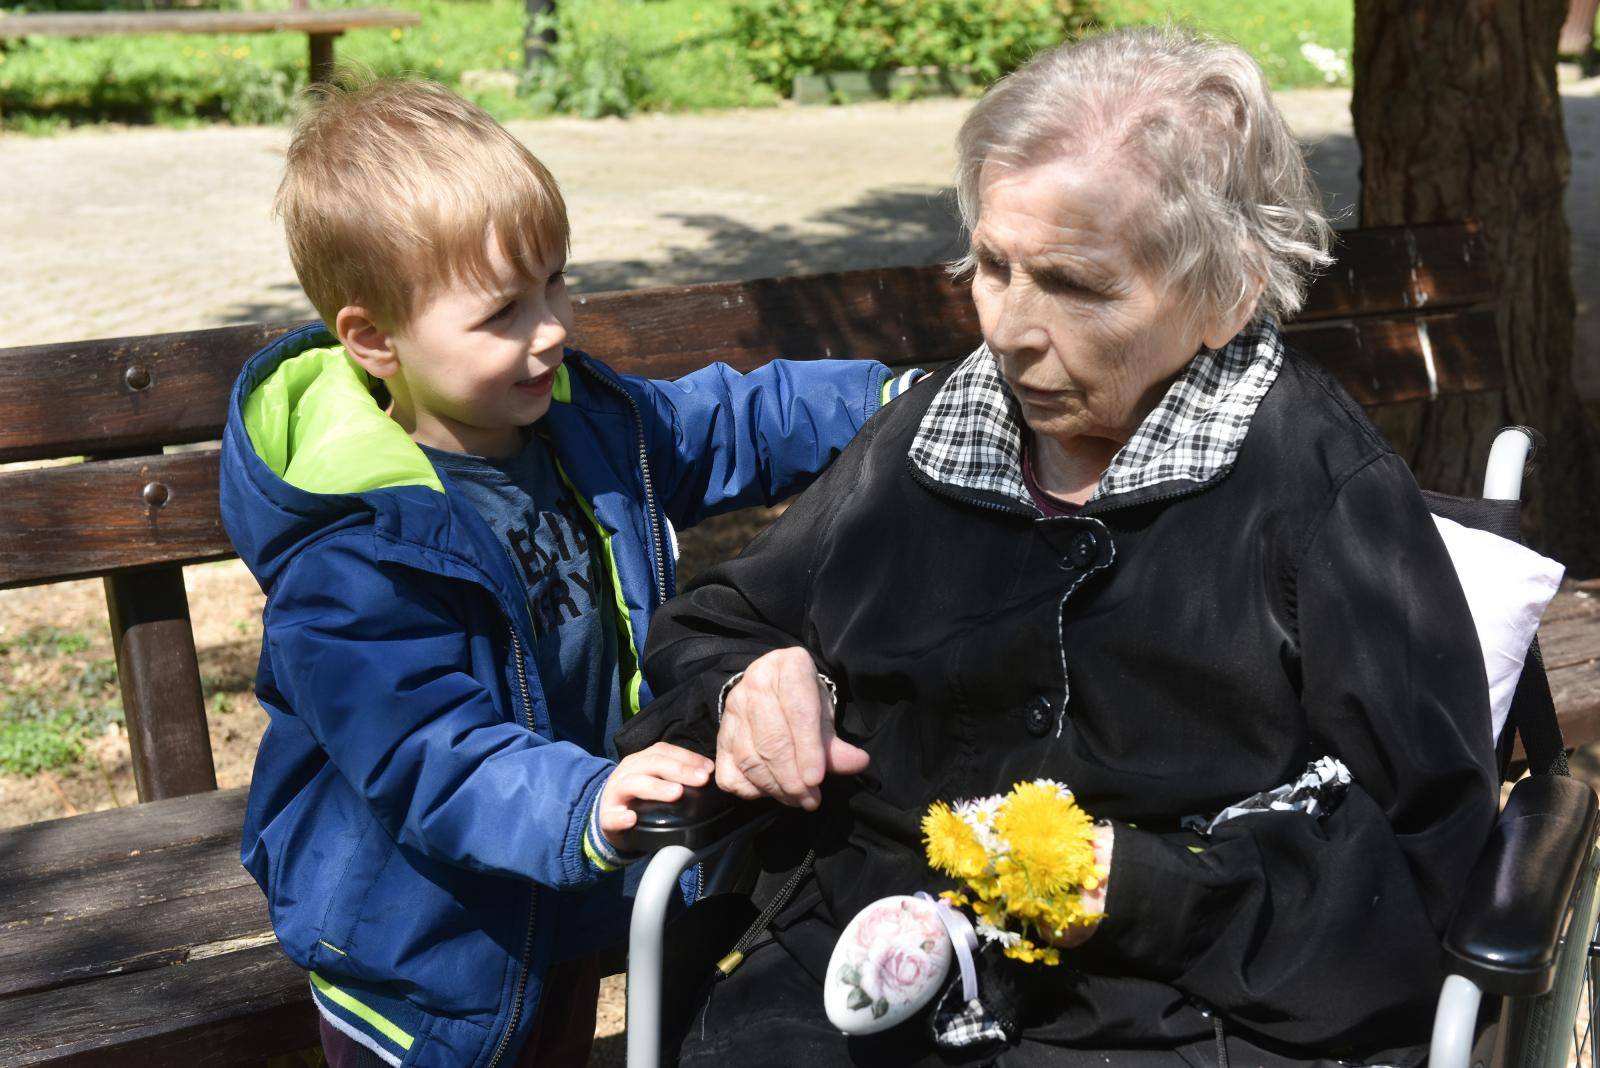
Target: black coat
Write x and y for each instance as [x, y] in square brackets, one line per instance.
[1166, 652]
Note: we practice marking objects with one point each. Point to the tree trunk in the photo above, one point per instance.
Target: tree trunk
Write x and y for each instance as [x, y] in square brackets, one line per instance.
[1458, 116]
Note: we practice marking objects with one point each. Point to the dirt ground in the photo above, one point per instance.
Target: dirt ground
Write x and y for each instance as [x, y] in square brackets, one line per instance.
[143, 231]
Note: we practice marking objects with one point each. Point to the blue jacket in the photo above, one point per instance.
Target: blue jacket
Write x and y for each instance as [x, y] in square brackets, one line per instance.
[416, 815]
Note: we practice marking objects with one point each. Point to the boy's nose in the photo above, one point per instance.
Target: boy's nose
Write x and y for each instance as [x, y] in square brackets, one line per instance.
[550, 333]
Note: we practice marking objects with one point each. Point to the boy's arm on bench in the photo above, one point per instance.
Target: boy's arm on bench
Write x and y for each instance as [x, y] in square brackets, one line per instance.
[723, 440]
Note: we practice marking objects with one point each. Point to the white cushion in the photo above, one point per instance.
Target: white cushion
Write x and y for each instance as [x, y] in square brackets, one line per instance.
[1507, 587]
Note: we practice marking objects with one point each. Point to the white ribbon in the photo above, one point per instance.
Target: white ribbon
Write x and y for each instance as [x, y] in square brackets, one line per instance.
[963, 938]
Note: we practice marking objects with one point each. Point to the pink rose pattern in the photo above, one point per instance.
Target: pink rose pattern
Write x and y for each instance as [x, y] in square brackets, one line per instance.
[894, 945]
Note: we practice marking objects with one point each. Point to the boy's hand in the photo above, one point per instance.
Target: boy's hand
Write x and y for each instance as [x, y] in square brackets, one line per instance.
[656, 774]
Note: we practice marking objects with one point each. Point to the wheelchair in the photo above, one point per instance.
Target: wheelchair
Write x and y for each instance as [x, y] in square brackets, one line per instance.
[1521, 955]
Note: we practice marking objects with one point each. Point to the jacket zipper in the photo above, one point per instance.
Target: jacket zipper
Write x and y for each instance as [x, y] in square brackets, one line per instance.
[656, 550]
[533, 890]
[947, 490]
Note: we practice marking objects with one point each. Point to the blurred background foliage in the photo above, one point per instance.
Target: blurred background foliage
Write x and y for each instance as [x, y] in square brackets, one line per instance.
[614, 57]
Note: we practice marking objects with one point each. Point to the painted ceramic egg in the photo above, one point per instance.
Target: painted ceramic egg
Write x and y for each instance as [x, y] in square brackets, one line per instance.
[889, 962]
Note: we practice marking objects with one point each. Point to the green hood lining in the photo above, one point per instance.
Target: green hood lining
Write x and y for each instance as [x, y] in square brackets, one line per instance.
[316, 424]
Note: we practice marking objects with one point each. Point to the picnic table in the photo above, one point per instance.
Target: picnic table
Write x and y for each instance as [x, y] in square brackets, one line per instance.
[320, 27]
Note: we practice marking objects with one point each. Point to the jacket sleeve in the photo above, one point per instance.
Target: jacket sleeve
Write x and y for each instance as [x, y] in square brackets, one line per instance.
[721, 440]
[736, 612]
[1325, 932]
[379, 669]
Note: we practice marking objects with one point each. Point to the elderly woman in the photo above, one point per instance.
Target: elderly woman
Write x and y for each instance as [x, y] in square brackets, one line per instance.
[1131, 544]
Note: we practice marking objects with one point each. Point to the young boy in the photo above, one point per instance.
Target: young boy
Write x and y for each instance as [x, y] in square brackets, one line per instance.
[463, 527]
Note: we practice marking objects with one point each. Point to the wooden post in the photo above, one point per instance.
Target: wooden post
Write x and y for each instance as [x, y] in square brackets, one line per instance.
[536, 41]
[321, 69]
[159, 675]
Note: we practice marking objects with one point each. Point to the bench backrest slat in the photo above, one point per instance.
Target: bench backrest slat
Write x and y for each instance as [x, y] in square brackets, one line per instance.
[88, 519]
[92, 518]
[1403, 315]
[120, 394]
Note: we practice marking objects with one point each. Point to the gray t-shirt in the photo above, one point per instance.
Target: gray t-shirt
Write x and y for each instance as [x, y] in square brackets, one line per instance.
[553, 547]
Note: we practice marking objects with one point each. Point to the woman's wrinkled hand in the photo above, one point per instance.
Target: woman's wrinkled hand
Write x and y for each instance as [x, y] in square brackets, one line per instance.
[1094, 901]
[776, 737]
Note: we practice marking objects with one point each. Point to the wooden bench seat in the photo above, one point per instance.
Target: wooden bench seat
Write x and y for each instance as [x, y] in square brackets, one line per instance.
[95, 911]
[320, 27]
[134, 936]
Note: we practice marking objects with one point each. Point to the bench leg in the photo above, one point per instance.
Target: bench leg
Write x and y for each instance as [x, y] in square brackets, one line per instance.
[321, 56]
[159, 675]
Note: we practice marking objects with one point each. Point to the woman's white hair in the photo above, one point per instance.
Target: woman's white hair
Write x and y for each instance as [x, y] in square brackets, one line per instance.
[1235, 206]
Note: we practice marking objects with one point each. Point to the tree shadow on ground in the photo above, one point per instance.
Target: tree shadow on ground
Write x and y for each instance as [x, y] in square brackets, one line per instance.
[1335, 162]
[891, 227]
[888, 228]
[286, 303]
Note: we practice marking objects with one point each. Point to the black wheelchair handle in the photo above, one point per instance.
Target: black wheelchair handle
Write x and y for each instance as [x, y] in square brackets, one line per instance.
[701, 817]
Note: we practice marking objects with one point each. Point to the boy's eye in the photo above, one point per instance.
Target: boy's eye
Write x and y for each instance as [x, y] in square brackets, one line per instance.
[503, 313]
[558, 279]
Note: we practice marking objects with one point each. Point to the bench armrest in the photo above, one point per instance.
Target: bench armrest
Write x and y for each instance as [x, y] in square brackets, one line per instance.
[701, 817]
[1508, 925]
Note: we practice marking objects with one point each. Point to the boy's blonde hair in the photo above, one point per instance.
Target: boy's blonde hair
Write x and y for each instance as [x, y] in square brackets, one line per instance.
[392, 188]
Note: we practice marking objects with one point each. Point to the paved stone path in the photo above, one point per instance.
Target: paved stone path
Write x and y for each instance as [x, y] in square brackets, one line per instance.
[151, 230]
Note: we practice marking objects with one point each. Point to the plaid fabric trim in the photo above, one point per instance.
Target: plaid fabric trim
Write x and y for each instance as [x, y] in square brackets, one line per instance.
[1195, 433]
[971, 435]
[969, 1025]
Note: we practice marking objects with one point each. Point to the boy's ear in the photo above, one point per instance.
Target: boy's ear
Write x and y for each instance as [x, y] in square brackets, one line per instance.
[367, 343]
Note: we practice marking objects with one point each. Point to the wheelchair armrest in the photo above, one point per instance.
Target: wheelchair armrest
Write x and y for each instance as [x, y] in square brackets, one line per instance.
[701, 817]
[1509, 922]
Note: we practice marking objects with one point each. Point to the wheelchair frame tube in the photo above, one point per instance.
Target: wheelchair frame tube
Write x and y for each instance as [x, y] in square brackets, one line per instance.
[1453, 1023]
[1508, 458]
[646, 934]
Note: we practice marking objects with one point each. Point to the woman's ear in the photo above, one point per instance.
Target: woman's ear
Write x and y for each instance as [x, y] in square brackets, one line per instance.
[1225, 325]
[367, 343]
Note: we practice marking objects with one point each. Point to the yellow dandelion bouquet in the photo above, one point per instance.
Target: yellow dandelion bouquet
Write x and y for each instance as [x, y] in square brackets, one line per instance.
[1026, 858]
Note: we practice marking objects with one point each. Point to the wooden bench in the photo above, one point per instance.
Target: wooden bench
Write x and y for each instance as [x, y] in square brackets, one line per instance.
[136, 932]
[320, 27]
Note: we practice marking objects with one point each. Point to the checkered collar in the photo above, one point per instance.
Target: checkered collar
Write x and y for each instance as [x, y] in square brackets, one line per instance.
[971, 436]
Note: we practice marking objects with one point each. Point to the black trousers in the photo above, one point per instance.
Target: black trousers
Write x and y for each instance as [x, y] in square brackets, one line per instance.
[769, 1012]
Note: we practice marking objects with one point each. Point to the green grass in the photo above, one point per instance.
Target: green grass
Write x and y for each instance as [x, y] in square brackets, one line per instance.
[680, 46]
[662, 55]
[1274, 31]
[52, 699]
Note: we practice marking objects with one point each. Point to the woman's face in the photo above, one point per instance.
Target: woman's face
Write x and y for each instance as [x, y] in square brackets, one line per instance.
[1087, 342]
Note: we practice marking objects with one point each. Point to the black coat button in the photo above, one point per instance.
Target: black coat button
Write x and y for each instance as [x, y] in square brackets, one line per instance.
[1083, 551]
[1040, 717]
